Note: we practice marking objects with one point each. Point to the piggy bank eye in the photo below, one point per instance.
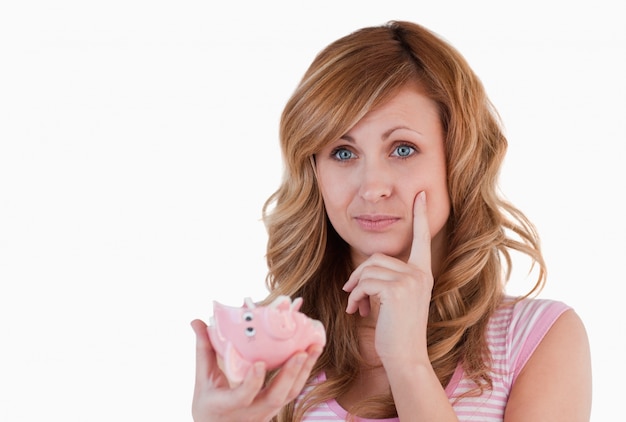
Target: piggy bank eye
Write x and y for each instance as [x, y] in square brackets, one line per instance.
[250, 331]
[247, 316]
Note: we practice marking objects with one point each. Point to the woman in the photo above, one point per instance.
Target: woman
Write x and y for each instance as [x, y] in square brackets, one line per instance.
[388, 224]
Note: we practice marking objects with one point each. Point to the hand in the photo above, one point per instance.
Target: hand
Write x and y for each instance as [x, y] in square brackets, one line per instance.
[402, 290]
[214, 400]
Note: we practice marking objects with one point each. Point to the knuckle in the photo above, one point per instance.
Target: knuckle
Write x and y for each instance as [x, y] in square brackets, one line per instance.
[377, 256]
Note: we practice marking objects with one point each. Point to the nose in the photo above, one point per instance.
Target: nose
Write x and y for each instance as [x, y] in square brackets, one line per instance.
[376, 182]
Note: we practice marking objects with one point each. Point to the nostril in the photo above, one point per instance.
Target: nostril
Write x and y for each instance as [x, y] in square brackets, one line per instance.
[374, 193]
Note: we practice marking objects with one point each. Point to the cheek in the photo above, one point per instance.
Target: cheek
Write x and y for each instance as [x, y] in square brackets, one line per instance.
[438, 213]
[332, 193]
[328, 192]
[432, 180]
[335, 199]
[438, 202]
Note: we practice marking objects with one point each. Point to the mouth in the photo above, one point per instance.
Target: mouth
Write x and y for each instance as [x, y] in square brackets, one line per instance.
[376, 222]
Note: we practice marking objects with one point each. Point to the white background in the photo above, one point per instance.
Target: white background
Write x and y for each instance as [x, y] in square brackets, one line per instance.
[138, 142]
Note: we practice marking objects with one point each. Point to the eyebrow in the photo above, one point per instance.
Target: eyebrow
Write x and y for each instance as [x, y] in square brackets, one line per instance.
[386, 135]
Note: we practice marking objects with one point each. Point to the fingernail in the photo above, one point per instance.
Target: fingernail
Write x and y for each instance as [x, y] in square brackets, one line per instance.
[422, 196]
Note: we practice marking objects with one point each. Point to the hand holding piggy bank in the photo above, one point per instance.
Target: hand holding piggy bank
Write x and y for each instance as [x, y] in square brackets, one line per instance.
[273, 333]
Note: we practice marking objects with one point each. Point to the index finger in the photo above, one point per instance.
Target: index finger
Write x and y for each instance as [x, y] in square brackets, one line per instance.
[420, 248]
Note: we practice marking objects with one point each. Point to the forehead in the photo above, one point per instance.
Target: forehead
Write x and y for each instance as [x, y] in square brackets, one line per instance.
[409, 107]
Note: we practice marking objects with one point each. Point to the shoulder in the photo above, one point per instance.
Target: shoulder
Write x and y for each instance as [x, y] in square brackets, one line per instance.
[526, 309]
[520, 312]
[520, 324]
[530, 321]
[515, 331]
[559, 362]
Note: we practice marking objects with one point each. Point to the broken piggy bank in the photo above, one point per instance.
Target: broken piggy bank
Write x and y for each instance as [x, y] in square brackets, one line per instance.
[251, 333]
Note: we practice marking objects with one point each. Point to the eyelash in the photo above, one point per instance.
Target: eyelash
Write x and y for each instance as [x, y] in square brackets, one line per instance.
[406, 145]
[335, 151]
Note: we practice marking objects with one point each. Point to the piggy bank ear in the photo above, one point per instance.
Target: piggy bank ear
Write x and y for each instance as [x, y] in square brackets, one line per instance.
[248, 303]
[297, 303]
[278, 319]
[281, 303]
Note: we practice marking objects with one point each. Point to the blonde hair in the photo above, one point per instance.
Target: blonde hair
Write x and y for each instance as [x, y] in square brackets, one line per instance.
[307, 258]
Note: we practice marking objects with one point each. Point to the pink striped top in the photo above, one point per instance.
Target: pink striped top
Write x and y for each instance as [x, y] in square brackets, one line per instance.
[513, 333]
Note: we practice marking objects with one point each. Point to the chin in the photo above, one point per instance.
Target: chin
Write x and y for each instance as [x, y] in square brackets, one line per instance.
[396, 252]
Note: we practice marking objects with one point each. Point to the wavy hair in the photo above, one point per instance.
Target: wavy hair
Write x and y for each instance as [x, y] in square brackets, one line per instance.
[306, 257]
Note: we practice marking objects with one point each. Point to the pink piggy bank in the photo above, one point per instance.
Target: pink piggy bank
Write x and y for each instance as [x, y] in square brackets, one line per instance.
[273, 333]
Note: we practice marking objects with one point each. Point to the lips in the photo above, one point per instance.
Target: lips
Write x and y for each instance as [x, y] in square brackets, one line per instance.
[376, 222]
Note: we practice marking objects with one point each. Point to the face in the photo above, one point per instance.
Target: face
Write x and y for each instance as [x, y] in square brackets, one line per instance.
[370, 177]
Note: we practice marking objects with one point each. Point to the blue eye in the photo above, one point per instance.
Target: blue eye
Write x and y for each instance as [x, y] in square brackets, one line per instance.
[404, 151]
[342, 154]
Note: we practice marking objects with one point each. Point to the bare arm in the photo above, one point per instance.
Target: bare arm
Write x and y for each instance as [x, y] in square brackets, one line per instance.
[418, 394]
[555, 384]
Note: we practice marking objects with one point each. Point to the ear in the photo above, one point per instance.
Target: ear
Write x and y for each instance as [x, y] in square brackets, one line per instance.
[281, 303]
[297, 303]
[248, 303]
